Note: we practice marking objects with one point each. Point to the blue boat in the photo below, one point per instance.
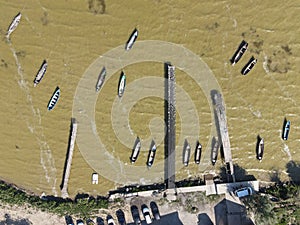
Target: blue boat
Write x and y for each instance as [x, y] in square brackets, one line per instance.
[54, 99]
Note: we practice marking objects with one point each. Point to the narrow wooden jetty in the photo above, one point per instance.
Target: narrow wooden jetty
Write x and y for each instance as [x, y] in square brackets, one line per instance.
[66, 175]
[220, 111]
[170, 117]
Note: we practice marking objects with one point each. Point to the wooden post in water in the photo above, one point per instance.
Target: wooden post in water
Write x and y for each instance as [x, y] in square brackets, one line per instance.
[66, 175]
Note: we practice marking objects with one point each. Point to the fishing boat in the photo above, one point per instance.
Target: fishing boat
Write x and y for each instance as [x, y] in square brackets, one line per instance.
[260, 151]
[131, 39]
[13, 25]
[54, 99]
[136, 150]
[186, 153]
[101, 79]
[250, 64]
[286, 130]
[40, 74]
[215, 149]
[198, 152]
[239, 52]
[151, 154]
[122, 84]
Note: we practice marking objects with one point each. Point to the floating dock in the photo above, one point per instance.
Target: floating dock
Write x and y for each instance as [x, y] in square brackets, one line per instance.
[66, 175]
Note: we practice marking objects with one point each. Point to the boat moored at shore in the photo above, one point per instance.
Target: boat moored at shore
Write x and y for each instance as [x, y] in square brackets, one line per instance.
[151, 154]
[40, 74]
[186, 153]
[260, 150]
[136, 150]
[198, 152]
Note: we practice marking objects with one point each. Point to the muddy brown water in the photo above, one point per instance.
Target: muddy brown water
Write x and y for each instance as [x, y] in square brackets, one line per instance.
[72, 35]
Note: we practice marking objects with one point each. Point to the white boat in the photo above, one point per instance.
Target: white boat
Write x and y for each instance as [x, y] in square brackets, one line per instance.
[186, 153]
[131, 39]
[261, 147]
[54, 99]
[198, 151]
[101, 79]
[40, 74]
[122, 84]
[151, 154]
[13, 24]
[136, 150]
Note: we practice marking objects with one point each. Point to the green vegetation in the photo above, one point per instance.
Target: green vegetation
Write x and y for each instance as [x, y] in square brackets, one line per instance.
[83, 207]
[278, 205]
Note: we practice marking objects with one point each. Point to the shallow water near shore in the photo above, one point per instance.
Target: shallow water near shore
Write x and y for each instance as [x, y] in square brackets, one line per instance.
[72, 35]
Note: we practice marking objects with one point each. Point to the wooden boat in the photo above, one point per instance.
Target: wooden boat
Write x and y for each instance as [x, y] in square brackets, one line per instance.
[286, 130]
[40, 74]
[13, 24]
[54, 99]
[198, 152]
[101, 79]
[251, 63]
[260, 151]
[122, 84]
[186, 153]
[131, 39]
[136, 150]
[215, 150]
[239, 52]
[151, 154]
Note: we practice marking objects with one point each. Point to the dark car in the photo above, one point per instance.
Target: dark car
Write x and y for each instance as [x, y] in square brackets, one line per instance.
[100, 221]
[69, 220]
[121, 217]
[110, 220]
[135, 215]
[154, 210]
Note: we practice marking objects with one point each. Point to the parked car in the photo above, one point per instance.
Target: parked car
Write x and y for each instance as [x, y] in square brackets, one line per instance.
[146, 213]
[135, 214]
[90, 222]
[110, 220]
[121, 217]
[154, 210]
[69, 220]
[79, 222]
[243, 192]
[100, 221]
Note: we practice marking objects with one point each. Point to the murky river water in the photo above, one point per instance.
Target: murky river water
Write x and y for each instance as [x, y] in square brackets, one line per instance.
[71, 35]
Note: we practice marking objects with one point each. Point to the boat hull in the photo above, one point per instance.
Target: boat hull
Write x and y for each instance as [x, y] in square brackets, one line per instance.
[198, 152]
[136, 150]
[122, 84]
[151, 155]
[40, 74]
[239, 52]
[101, 79]
[131, 39]
[54, 99]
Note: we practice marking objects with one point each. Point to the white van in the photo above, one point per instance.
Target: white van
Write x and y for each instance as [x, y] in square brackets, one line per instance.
[243, 192]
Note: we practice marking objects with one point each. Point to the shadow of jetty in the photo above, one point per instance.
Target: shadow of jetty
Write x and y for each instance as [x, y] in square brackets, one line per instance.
[293, 170]
[240, 174]
[9, 221]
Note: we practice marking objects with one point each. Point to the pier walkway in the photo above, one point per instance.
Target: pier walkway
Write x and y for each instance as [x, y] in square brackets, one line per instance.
[220, 111]
[66, 175]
